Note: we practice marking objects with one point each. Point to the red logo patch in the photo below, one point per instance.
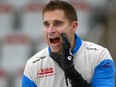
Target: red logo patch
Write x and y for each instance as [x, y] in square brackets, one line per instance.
[44, 72]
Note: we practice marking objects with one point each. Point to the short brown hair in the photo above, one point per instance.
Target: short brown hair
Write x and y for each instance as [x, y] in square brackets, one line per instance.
[69, 11]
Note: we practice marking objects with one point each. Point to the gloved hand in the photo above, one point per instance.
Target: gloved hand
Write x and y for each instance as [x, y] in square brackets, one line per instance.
[66, 60]
[67, 65]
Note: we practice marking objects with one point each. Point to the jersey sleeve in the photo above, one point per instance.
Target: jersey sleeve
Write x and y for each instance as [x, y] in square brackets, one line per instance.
[26, 82]
[104, 72]
[27, 78]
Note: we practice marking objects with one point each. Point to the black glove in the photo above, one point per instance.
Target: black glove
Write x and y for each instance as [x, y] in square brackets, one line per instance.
[66, 60]
[68, 66]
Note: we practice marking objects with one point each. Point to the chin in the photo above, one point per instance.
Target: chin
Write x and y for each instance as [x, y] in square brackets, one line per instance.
[57, 51]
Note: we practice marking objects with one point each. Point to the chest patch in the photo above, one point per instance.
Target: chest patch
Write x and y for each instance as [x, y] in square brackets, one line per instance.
[45, 72]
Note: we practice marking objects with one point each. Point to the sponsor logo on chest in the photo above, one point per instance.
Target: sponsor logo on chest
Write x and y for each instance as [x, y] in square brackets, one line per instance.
[45, 72]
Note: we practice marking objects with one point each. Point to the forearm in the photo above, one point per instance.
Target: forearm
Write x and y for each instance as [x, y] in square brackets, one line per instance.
[76, 79]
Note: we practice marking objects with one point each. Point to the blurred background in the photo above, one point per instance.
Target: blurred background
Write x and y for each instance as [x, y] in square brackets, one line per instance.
[21, 34]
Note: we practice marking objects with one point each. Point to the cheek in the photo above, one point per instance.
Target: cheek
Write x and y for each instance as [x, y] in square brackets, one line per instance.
[70, 34]
[67, 30]
[45, 31]
[45, 34]
[64, 30]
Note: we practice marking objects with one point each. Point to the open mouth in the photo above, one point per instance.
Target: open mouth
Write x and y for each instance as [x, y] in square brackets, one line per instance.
[54, 40]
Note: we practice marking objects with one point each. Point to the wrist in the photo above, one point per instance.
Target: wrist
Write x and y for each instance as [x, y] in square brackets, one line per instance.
[72, 73]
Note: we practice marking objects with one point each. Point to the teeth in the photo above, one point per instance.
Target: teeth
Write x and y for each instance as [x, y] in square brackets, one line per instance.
[52, 43]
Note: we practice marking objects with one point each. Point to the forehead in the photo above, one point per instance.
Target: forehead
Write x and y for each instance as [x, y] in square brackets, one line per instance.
[54, 15]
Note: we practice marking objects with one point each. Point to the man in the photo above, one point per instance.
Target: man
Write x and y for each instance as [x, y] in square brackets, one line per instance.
[68, 61]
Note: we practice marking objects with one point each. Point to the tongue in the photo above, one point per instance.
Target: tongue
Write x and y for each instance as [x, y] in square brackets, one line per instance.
[56, 40]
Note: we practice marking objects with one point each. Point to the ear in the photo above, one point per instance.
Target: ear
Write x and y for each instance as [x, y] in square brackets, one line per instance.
[74, 25]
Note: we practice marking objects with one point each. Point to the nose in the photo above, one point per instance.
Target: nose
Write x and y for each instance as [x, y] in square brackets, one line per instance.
[51, 29]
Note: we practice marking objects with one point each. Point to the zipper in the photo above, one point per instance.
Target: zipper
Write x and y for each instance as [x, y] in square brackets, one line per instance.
[66, 79]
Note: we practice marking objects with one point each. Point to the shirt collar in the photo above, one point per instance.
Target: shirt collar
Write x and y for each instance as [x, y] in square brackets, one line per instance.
[78, 44]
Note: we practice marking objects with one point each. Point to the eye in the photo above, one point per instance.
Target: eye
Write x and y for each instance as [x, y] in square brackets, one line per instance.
[57, 23]
[46, 24]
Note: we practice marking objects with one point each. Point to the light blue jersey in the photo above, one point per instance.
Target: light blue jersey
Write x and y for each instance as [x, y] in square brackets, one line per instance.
[92, 61]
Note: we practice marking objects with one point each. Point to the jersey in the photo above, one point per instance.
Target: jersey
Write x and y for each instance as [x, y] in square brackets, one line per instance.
[92, 61]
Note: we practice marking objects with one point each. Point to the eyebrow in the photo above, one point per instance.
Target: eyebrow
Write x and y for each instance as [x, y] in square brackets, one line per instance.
[54, 21]
[58, 21]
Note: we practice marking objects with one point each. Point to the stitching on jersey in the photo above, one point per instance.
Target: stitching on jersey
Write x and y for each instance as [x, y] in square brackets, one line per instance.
[39, 59]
